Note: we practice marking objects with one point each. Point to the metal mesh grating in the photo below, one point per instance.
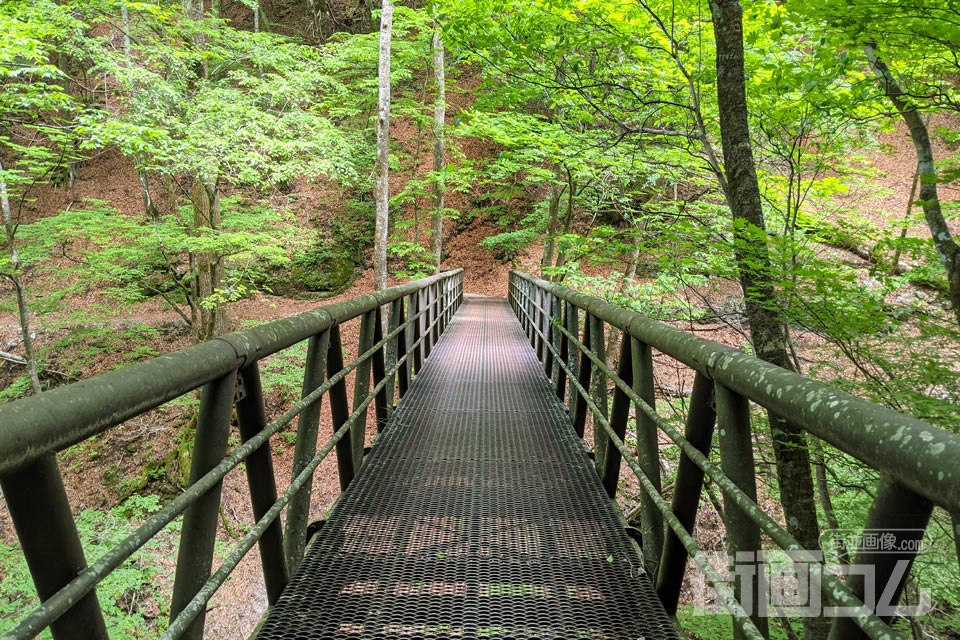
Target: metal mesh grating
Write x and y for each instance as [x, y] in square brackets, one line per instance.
[476, 515]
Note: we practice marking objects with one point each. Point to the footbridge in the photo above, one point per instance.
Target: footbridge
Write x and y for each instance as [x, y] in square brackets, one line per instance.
[480, 509]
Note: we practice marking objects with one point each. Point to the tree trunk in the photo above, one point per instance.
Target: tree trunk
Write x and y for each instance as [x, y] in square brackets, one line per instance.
[767, 327]
[567, 223]
[553, 215]
[14, 276]
[439, 147]
[947, 247]
[149, 208]
[211, 316]
[382, 178]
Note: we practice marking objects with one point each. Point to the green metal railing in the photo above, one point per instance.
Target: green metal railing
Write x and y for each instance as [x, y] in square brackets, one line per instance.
[225, 369]
[919, 463]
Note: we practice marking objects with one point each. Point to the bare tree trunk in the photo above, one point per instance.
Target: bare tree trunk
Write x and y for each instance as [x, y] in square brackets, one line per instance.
[947, 247]
[553, 216]
[439, 146]
[826, 503]
[614, 337]
[382, 177]
[767, 327]
[14, 277]
[149, 208]
[209, 267]
[567, 223]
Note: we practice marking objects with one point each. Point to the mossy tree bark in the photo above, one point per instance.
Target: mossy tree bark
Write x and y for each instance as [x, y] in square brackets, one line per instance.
[767, 327]
[209, 316]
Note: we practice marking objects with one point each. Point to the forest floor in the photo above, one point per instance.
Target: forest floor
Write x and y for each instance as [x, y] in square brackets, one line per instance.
[145, 455]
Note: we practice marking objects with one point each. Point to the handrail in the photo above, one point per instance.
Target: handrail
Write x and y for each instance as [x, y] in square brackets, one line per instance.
[54, 420]
[919, 463]
[226, 369]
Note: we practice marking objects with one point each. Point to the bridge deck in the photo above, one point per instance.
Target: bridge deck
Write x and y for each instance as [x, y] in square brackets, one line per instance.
[477, 515]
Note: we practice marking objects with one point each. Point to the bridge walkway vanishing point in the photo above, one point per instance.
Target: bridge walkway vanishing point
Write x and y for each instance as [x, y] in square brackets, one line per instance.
[477, 514]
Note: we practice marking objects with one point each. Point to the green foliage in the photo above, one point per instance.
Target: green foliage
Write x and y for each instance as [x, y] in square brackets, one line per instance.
[507, 245]
[19, 388]
[282, 373]
[134, 261]
[131, 597]
[81, 346]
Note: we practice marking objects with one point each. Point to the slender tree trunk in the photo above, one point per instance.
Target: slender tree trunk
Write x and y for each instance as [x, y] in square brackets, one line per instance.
[895, 263]
[14, 276]
[208, 265]
[382, 177]
[439, 146]
[826, 503]
[767, 327]
[614, 337]
[553, 216]
[567, 223]
[149, 208]
[947, 247]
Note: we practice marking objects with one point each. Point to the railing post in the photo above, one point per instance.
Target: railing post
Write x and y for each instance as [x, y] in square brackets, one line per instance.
[361, 386]
[417, 325]
[900, 514]
[547, 339]
[579, 408]
[573, 327]
[441, 307]
[429, 328]
[298, 510]
[599, 390]
[41, 514]
[340, 410]
[955, 519]
[538, 314]
[252, 419]
[199, 532]
[393, 348]
[563, 347]
[686, 492]
[743, 533]
[528, 300]
[434, 314]
[402, 344]
[556, 311]
[619, 414]
[648, 453]
[381, 406]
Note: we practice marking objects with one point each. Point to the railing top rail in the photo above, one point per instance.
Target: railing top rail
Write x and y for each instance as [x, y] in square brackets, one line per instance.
[923, 457]
[40, 425]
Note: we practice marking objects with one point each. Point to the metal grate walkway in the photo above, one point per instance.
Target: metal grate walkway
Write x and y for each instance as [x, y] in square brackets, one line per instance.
[477, 515]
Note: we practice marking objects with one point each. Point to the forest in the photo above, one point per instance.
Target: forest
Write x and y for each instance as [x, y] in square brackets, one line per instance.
[779, 176]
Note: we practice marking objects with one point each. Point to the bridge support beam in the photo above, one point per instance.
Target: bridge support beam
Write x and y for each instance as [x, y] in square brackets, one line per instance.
[48, 536]
[686, 492]
[900, 514]
[199, 532]
[648, 452]
[743, 533]
[298, 510]
[578, 405]
[340, 410]
[252, 419]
